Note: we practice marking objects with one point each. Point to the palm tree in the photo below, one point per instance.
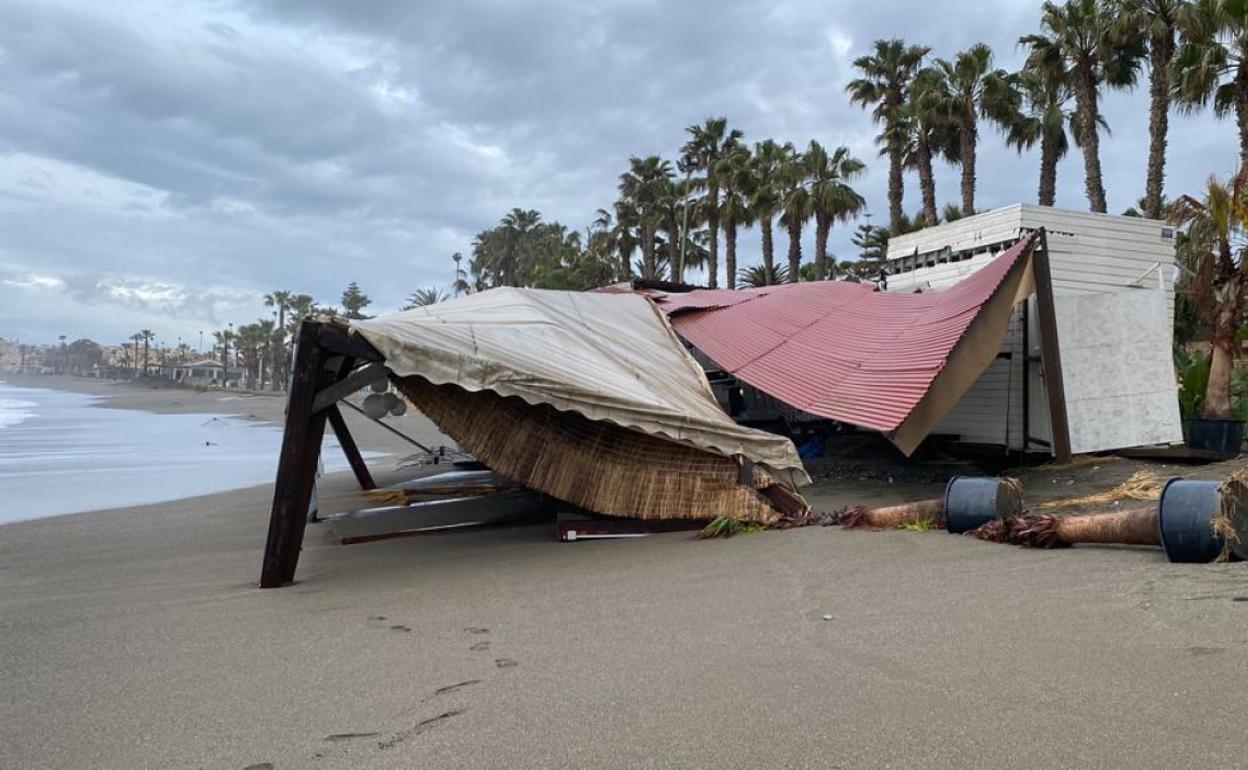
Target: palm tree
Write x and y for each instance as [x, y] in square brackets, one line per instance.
[516, 228]
[1043, 119]
[885, 75]
[832, 199]
[625, 235]
[146, 336]
[1216, 238]
[1082, 44]
[224, 338]
[735, 177]
[796, 206]
[675, 207]
[761, 275]
[281, 300]
[708, 143]
[430, 295]
[643, 186]
[764, 193]
[929, 133]
[1212, 63]
[971, 89]
[1158, 23]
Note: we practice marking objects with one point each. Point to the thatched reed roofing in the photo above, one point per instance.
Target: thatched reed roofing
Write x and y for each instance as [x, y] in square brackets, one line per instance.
[610, 358]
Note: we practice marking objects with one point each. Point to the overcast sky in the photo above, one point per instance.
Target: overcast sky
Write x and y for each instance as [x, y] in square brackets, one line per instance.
[163, 164]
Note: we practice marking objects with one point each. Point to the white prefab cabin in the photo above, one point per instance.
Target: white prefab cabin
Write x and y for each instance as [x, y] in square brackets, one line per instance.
[1113, 284]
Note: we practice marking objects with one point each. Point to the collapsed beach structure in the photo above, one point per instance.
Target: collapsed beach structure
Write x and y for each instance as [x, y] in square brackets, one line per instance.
[593, 399]
[588, 398]
[891, 362]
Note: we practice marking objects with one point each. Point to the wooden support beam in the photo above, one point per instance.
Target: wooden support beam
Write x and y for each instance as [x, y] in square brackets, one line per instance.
[296, 468]
[349, 448]
[1050, 350]
[360, 378]
[334, 337]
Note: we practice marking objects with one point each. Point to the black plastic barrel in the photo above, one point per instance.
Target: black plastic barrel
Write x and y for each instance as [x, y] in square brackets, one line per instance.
[1185, 518]
[1222, 436]
[972, 501]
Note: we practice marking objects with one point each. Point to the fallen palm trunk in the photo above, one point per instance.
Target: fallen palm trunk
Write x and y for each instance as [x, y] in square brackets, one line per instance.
[1130, 527]
[968, 503]
[893, 516]
[1193, 521]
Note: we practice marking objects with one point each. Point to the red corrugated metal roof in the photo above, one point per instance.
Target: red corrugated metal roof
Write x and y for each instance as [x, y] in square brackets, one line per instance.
[839, 350]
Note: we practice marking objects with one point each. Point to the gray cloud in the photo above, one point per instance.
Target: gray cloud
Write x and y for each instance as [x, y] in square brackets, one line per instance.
[219, 151]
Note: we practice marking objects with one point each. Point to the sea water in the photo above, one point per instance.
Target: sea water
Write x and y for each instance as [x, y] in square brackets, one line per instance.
[63, 452]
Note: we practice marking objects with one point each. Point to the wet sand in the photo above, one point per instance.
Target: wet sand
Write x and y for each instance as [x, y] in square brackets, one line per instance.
[135, 638]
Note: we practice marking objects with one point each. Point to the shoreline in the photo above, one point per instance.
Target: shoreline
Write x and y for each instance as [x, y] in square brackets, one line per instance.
[382, 448]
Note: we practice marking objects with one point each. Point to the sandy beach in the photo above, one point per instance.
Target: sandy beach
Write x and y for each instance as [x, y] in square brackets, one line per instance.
[136, 638]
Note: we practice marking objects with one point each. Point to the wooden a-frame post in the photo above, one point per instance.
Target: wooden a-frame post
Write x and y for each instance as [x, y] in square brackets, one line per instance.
[324, 355]
[1050, 351]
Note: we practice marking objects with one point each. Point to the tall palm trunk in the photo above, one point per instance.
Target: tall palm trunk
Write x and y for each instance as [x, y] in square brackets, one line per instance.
[1160, 51]
[795, 250]
[1226, 321]
[1241, 110]
[626, 264]
[895, 187]
[970, 138]
[647, 251]
[769, 248]
[712, 222]
[1048, 170]
[823, 226]
[1089, 141]
[675, 258]
[730, 251]
[927, 180]
[276, 371]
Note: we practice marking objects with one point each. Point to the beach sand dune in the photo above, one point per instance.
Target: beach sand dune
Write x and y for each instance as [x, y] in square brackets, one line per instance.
[136, 638]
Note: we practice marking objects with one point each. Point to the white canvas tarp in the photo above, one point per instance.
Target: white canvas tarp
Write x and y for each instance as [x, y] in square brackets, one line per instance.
[609, 357]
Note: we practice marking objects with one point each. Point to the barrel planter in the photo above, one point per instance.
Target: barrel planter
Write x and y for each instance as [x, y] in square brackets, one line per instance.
[1222, 436]
[1185, 514]
[972, 501]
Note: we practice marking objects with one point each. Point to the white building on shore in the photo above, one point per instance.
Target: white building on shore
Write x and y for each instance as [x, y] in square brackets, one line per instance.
[1113, 283]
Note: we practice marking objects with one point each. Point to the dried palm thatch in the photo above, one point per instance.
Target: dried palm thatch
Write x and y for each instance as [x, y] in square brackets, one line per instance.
[1231, 521]
[1143, 485]
[596, 465]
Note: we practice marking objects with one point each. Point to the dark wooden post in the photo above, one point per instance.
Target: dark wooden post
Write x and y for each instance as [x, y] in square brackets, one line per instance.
[1050, 351]
[349, 448]
[296, 469]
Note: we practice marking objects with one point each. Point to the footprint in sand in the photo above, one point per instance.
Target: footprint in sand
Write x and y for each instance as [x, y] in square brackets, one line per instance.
[475, 630]
[505, 663]
[456, 686]
[480, 647]
[404, 629]
[338, 737]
